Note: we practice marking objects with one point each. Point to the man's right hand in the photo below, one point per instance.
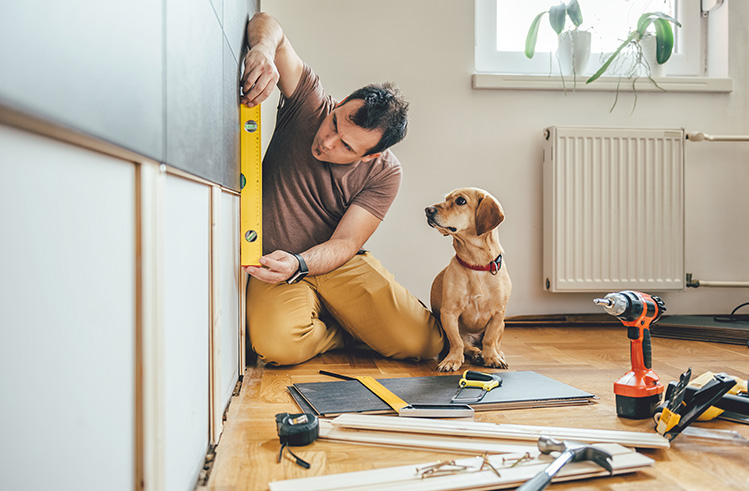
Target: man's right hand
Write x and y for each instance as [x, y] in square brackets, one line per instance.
[260, 76]
[270, 61]
[276, 267]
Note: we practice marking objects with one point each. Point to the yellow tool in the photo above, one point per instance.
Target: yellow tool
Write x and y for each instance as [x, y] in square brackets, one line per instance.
[251, 186]
[481, 380]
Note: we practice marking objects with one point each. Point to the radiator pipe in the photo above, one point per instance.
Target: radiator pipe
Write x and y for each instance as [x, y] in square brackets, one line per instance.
[715, 284]
[700, 136]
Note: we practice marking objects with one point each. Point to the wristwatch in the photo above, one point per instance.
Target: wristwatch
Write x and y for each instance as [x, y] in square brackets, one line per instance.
[300, 272]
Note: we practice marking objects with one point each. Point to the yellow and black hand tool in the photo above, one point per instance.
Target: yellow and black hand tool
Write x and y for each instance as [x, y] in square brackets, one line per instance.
[684, 408]
[482, 380]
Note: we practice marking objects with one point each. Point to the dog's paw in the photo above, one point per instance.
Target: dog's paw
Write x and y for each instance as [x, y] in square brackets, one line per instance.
[496, 361]
[473, 355]
[450, 364]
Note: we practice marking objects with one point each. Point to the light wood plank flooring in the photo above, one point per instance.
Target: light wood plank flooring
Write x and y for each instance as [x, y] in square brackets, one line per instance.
[589, 358]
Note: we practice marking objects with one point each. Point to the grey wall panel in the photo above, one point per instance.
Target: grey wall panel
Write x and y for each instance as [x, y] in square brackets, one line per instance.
[67, 316]
[230, 114]
[155, 77]
[235, 20]
[194, 70]
[89, 65]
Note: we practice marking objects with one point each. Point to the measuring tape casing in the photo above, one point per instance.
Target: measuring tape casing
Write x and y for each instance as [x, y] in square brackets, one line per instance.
[297, 429]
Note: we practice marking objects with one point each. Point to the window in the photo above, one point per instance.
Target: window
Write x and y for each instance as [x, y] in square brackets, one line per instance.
[502, 25]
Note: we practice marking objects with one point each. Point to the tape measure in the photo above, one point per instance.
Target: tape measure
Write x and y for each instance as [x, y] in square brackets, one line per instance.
[296, 430]
[250, 186]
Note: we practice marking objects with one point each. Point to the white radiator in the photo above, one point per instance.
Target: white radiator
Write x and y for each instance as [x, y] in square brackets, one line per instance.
[613, 209]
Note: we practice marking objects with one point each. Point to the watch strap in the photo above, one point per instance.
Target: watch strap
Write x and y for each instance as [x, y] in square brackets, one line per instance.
[301, 272]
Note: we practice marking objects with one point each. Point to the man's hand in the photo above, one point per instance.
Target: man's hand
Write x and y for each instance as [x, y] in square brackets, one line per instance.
[260, 76]
[270, 61]
[277, 267]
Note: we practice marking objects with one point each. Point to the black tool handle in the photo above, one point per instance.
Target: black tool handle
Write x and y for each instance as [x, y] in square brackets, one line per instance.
[647, 349]
[537, 483]
[474, 375]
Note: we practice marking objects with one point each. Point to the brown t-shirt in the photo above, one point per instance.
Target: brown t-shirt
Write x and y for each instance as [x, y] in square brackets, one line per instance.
[304, 198]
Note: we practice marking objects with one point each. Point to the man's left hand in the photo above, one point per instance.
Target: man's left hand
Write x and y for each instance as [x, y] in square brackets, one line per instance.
[276, 267]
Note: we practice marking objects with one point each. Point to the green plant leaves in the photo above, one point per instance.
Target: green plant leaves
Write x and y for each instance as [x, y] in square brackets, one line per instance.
[605, 66]
[557, 17]
[574, 13]
[664, 36]
[530, 39]
[664, 40]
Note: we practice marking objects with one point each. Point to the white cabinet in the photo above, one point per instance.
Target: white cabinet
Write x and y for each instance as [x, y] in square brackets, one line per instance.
[120, 304]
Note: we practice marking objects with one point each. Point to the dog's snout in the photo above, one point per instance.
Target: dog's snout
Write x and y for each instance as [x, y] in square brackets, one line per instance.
[430, 210]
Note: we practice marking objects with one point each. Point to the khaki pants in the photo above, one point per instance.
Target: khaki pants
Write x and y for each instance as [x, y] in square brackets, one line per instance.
[289, 324]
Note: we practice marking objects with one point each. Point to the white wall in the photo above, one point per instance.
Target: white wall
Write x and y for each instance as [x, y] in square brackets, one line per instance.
[493, 139]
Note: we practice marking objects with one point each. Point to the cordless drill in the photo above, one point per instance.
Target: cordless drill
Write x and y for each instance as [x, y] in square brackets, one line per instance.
[638, 392]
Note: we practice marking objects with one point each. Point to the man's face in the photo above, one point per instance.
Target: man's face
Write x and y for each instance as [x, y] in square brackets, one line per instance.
[340, 141]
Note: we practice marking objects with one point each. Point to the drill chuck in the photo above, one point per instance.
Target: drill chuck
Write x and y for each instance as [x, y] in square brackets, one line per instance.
[614, 304]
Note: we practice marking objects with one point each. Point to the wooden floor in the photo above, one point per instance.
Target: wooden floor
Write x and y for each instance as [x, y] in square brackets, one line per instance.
[587, 358]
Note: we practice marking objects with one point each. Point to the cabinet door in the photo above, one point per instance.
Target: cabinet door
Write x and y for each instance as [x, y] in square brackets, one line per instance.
[230, 293]
[67, 316]
[186, 329]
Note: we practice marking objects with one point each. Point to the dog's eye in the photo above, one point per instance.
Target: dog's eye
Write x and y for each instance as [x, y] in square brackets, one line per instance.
[460, 200]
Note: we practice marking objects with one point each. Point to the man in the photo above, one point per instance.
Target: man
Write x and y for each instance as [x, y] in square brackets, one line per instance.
[328, 180]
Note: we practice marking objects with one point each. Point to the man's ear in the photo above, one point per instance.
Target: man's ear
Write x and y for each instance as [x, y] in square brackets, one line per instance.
[489, 215]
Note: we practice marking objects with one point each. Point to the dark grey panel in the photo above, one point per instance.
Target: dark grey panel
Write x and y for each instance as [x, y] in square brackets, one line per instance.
[235, 20]
[230, 111]
[92, 66]
[194, 71]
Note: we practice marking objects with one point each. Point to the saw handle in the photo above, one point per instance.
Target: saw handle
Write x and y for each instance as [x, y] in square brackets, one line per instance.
[486, 381]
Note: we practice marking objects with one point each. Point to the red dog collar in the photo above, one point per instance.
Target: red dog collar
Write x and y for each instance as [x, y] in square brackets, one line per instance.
[493, 266]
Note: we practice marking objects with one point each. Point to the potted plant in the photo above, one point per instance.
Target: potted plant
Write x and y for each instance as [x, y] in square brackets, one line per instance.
[574, 44]
[639, 43]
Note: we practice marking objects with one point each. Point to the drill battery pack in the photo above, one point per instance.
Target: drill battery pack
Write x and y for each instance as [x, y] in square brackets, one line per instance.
[637, 407]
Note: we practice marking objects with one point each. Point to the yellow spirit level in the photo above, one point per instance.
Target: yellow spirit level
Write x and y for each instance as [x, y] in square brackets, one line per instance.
[251, 186]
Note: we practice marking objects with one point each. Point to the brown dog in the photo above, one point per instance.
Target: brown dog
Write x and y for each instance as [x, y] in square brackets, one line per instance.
[470, 295]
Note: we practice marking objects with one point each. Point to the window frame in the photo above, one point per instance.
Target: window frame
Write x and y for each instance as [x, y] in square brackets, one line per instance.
[688, 59]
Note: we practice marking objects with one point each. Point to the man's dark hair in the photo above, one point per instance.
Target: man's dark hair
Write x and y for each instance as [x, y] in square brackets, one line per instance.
[384, 109]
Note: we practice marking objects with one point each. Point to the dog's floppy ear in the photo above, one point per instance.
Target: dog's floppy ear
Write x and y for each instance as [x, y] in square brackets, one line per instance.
[489, 215]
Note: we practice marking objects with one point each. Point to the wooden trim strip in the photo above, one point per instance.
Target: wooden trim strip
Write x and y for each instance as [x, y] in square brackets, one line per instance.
[503, 431]
[215, 409]
[150, 208]
[429, 443]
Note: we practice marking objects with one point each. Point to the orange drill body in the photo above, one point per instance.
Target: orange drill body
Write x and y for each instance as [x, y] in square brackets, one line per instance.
[638, 392]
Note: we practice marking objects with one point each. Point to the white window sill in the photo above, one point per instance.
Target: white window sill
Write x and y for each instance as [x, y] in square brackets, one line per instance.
[605, 84]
